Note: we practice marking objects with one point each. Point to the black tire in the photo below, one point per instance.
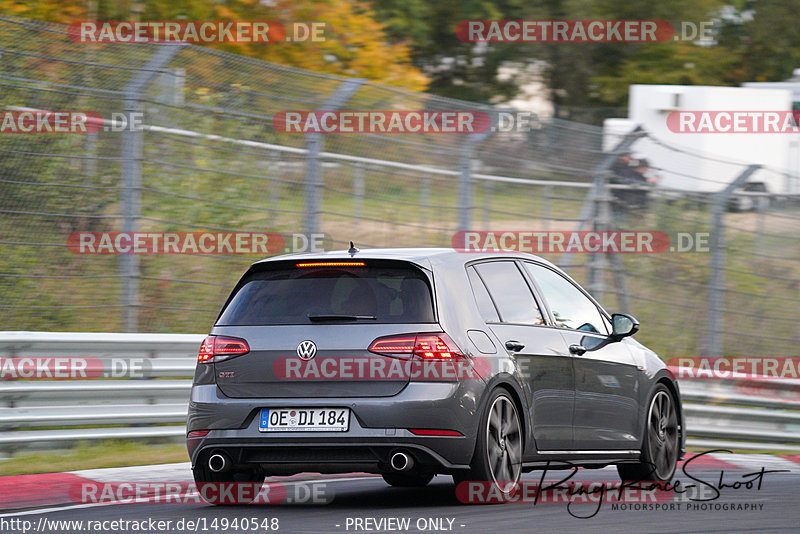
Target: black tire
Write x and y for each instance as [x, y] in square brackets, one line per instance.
[498, 447]
[407, 480]
[203, 475]
[660, 443]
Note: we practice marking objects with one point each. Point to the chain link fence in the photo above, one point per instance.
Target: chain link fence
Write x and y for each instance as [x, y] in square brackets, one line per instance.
[208, 158]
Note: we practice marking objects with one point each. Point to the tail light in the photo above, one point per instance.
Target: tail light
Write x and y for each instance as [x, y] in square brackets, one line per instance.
[435, 432]
[331, 264]
[422, 346]
[215, 349]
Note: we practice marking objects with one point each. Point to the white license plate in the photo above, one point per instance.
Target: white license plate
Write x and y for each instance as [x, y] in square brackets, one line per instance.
[304, 420]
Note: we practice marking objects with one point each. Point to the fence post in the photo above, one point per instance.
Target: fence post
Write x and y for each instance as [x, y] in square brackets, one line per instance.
[600, 179]
[598, 262]
[465, 185]
[465, 163]
[547, 208]
[488, 192]
[314, 144]
[424, 198]
[358, 191]
[716, 298]
[275, 174]
[131, 152]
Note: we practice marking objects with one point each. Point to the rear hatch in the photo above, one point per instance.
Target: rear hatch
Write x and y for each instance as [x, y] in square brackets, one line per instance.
[341, 307]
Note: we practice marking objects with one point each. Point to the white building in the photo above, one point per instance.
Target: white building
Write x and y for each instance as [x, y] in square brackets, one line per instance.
[676, 156]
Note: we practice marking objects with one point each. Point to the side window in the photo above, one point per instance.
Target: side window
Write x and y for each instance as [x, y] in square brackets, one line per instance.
[485, 305]
[570, 307]
[510, 293]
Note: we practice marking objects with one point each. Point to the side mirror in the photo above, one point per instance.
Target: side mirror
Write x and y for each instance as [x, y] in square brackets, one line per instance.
[623, 325]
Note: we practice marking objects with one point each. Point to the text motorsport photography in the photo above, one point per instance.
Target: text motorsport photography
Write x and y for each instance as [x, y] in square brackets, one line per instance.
[702, 492]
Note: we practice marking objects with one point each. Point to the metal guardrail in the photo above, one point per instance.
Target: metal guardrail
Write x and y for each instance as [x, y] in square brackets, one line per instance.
[720, 414]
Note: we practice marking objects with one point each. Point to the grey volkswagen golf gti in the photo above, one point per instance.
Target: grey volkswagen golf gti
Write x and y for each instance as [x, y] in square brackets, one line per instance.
[416, 362]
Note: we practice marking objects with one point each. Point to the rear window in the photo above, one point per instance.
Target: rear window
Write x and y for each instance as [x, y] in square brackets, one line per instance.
[386, 292]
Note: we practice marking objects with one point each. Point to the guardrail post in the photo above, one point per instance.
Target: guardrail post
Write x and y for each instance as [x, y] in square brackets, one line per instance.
[314, 144]
[131, 152]
[716, 298]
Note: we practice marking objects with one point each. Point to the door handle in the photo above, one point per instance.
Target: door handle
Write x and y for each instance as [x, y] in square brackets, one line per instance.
[576, 349]
[514, 346]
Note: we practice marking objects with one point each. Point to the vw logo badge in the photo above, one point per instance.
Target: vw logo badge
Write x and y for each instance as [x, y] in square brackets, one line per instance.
[306, 350]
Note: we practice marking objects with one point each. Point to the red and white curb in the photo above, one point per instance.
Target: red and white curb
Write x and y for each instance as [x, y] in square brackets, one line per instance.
[19, 492]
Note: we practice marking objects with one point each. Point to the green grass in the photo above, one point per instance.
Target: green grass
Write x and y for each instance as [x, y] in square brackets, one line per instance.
[94, 456]
[697, 450]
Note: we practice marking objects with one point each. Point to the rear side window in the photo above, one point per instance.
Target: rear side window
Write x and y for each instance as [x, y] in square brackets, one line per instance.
[510, 293]
[482, 299]
[388, 292]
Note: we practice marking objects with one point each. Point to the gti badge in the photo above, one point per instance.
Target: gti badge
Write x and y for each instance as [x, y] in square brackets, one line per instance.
[306, 350]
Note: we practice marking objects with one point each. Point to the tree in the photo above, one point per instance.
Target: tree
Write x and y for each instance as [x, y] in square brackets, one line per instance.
[457, 69]
[355, 43]
[769, 41]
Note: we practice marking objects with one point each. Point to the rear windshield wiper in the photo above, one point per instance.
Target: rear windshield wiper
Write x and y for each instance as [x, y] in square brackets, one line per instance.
[339, 317]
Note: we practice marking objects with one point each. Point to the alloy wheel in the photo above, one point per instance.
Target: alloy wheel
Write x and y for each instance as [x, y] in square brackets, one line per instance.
[663, 435]
[504, 443]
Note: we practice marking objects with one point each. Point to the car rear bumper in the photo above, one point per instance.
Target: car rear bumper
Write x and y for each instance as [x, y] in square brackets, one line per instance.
[379, 426]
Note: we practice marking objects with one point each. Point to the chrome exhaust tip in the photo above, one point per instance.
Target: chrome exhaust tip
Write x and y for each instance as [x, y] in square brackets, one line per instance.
[218, 463]
[401, 461]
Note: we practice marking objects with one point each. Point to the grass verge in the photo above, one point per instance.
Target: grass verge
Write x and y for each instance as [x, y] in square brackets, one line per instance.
[93, 456]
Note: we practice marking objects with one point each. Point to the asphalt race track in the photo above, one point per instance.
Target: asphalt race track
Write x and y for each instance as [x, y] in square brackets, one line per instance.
[774, 507]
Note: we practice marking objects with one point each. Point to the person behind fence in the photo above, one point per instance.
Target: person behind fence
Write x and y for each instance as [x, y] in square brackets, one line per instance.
[634, 172]
[650, 177]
